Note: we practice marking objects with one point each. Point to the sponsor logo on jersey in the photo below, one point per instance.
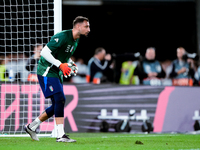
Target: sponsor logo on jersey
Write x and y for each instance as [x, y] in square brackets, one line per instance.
[51, 88]
[56, 39]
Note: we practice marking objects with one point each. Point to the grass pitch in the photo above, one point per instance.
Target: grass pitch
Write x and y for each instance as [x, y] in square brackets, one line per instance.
[106, 141]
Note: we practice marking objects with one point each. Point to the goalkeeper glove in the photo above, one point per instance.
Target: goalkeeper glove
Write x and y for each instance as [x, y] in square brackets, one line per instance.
[74, 68]
[64, 67]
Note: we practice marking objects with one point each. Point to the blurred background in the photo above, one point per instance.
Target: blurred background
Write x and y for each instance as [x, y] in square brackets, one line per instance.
[133, 25]
[120, 27]
[151, 47]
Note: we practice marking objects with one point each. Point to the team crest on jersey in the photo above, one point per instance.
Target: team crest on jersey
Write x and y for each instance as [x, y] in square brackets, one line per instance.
[51, 88]
[72, 49]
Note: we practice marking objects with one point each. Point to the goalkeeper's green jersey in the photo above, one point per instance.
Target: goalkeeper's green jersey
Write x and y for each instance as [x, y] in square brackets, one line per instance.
[62, 46]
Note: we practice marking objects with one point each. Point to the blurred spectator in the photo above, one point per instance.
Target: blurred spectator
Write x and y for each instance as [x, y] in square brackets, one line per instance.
[16, 67]
[127, 70]
[82, 71]
[167, 67]
[3, 70]
[73, 59]
[11, 66]
[149, 70]
[118, 60]
[98, 66]
[197, 76]
[32, 62]
[21, 68]
[193, 63]
[182, 73]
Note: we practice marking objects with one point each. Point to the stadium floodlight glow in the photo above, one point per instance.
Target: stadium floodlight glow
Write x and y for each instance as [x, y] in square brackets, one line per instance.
[23, 23]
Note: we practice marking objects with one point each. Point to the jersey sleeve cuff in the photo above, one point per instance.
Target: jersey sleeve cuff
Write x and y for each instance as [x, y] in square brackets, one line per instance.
[57, 63]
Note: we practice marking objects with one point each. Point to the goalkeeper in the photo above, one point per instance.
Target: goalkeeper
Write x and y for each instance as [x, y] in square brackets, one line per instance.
[53, 64]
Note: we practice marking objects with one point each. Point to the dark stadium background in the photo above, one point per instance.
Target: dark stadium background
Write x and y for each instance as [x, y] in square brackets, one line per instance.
[132, 27]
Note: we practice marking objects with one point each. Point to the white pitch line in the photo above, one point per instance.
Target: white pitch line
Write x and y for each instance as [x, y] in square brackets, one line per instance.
[138, 136]
[25, 135]
[189, 149]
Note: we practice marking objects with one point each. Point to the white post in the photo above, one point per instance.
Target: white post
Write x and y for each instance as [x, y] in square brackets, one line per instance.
[57, 16]
[57, 28]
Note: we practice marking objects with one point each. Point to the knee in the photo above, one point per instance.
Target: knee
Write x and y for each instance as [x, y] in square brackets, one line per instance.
[59, 104]
[50, 111]
[59, 98]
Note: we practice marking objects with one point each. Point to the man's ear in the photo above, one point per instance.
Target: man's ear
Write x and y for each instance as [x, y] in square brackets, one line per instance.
[78, 26]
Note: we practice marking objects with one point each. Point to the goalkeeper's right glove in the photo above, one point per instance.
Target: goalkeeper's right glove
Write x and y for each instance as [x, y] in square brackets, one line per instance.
[64, 67]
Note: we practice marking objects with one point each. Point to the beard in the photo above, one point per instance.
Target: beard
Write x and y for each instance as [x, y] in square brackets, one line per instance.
[86, 35]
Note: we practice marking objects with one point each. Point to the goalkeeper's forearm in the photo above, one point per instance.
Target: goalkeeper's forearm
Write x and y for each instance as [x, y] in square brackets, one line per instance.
[46, 53]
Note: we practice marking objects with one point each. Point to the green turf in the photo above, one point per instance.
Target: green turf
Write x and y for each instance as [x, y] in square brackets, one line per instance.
[103, 141]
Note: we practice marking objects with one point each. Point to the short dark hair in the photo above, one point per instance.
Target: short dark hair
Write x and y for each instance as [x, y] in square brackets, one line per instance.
[98, 50]
[79, 19]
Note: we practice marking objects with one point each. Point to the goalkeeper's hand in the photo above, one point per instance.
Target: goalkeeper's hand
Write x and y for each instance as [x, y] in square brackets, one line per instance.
[74, 68]
[65, 68]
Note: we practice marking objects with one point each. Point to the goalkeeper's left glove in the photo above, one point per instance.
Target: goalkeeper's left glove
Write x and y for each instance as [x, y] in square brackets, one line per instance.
[74, 68]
